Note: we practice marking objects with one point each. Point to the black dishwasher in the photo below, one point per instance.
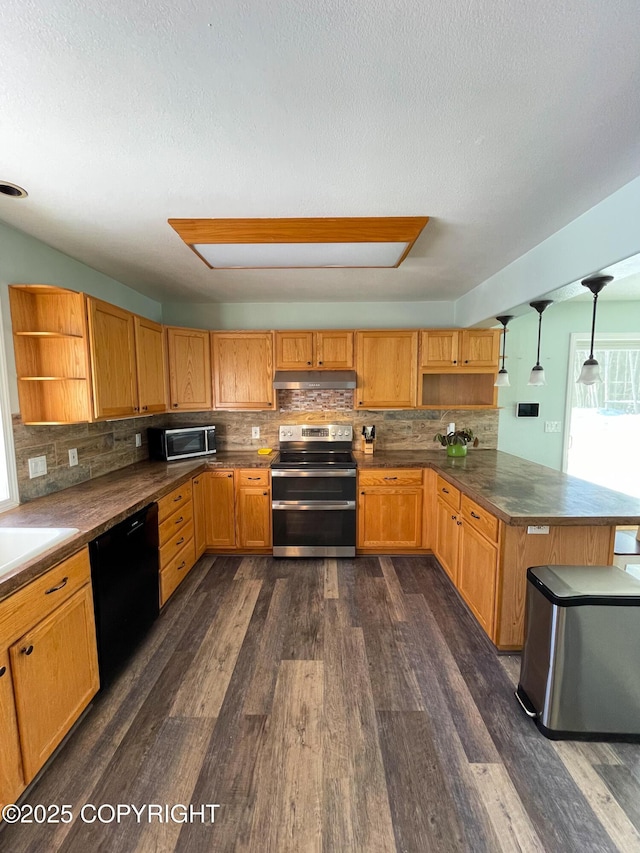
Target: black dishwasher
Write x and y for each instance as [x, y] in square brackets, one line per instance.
[124, 576]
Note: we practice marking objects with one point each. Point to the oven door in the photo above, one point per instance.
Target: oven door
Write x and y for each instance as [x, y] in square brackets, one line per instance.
[314, 513]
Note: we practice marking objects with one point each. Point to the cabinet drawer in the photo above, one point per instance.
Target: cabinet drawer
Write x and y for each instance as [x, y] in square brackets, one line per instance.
[179, 539]
[479, 518]
[176, 570]
[448, 493]
[29, 605]
[391, 477]
[253, 477]
[180, 518]
[173, 501]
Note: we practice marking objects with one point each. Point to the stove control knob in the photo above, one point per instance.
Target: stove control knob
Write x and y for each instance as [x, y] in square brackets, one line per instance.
[290, 432]
[333, 432]
[339, 432]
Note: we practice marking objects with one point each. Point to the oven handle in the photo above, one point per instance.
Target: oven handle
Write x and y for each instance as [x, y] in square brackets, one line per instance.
[317, 505]
[315, 472]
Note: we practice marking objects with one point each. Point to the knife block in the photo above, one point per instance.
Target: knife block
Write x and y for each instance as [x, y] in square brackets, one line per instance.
[367, 446]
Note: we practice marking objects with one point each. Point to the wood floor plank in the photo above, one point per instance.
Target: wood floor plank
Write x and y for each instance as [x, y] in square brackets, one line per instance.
[331, 579]
[424, 815]
[261, 689]
[205, 683]
[624, 787]
[396, 593]
[506, 812]
[607, 809]
[303, 636]
[288, 811]
[356, 815]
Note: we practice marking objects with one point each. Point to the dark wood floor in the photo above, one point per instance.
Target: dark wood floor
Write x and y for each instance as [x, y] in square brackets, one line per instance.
[349, 705]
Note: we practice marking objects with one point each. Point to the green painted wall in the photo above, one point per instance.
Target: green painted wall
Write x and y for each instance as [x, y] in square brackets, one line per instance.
[25, 260]
[526, 437]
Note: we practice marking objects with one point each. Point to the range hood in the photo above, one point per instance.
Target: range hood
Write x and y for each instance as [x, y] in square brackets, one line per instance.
[315, 380]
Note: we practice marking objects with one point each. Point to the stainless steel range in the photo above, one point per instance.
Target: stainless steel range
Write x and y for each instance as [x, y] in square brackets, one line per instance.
[314, 492]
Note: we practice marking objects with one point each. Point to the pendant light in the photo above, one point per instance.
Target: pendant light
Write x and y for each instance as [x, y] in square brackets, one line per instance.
[537, 376]
[502, 379]
[590, 373]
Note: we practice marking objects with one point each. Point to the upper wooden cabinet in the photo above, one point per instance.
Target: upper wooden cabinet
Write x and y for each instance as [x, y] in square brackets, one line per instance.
[113, 360]
[386, 366]
[50, 339]
[243, 370]
[459, 348]
[150, 366]
[189, 369]
[309, 350]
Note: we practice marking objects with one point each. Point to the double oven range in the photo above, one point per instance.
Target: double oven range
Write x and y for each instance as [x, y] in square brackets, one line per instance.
[313, 481]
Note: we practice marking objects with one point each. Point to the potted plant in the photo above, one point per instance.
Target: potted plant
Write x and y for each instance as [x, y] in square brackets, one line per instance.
[456, 441]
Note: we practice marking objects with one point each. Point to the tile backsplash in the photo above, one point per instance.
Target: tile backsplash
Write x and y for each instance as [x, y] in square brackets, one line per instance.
[109, 445]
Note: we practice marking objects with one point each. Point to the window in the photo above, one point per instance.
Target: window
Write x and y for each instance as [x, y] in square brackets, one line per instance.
[604, 419]
[8, 479]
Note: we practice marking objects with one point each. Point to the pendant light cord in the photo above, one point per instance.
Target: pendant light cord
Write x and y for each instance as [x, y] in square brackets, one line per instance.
[593, 322]
[539, 336]
[504, 343]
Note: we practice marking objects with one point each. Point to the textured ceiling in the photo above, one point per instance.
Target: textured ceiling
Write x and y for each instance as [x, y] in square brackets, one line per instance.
[501, 121]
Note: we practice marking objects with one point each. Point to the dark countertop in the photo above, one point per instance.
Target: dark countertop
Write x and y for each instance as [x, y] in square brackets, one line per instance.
[515, 490]
[96, 505]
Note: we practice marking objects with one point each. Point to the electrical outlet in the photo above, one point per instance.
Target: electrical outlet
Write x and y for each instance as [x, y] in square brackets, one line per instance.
[73, 457]
[538, 529]
[37, 466]
[138, 439]
[255, 432]
[552, 426]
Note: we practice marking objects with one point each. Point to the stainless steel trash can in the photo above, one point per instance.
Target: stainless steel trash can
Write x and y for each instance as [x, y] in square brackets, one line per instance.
[580, 672]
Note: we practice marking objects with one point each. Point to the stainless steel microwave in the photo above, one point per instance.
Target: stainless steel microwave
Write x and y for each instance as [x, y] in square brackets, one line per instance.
[183, 443]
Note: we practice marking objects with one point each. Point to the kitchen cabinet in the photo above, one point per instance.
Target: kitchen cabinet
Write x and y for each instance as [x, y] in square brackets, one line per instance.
[458, 368]
[150, 366]
[460, 348]
[243, 370]
[113, 361]
[387, 369]
[390, 505]
[253, 508]
[306, 350]
[199, 516]
[477, 571]
[220, 510]
[48, 666]
[189, 359]
[177, 553]
[447, 538]
[51, 345]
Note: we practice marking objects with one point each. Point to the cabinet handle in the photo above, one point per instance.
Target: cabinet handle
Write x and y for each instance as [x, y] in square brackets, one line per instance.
[179, 498]
[458, 523]
[3, 669]
[446, 491]
[62, 583]
[308, 362]
[265, 494]
[144, 408]
[180, 520]
[466, 361]
[360, 402]
[197, 482]
[362, 493]
[253, 478]
[390, 478]
[473, 515]
[180, 541]
[455, 361]
[27, 650]
[319, 362]
[229, 475]
[175, 405]
[136, 409]
[453, 517]
[181, 566]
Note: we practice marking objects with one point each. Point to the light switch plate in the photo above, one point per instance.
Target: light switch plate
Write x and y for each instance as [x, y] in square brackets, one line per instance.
[37, 466]
[138, 439]
[255, 432]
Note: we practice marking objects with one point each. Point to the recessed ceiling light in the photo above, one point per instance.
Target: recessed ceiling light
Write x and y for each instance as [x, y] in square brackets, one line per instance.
[12, 190]
[383, 241]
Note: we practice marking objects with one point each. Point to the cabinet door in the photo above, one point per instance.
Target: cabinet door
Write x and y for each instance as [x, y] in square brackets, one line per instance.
[334, 350]
[479, 348]
[55, 675]
[199, 515]
[390, 517]
[11, 781]
[243, 370]
[189, 369]
[439, 348]
[447, 536]
[220, 522]
[477, 570]
[294, 350]
[151, 366]
[113, 364]
[254, 517]
[387, 364]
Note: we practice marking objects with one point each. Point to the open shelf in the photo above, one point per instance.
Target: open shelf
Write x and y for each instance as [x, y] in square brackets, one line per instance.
[457, 391]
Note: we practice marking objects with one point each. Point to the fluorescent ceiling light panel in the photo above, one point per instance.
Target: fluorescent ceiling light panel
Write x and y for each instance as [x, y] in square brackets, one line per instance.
[301, 243]
[279, 255]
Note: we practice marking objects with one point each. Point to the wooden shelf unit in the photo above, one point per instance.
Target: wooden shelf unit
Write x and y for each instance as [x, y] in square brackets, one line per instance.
[51, 349]
[461, 390]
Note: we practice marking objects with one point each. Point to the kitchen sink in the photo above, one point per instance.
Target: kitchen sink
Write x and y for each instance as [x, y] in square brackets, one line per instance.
[19, 544]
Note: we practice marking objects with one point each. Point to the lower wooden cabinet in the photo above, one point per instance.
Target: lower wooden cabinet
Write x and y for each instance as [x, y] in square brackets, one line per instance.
[177, 554]
[477, 574]
[219, 499]
[199, 515]
[48, 668]
[254, 517]
[237, 509]
[447, 537]
[390, 505]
